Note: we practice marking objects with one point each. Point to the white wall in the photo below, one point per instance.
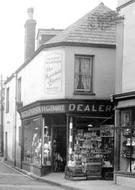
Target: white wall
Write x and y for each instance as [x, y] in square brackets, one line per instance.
[103, 71]
[34, 78]
[9, 119]
[41, 80]
[128, 74]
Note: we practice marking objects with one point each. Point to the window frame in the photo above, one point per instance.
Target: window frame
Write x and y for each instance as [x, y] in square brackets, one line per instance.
[81, 91]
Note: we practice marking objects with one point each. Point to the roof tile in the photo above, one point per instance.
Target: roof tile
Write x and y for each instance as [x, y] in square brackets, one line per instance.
[98, 26]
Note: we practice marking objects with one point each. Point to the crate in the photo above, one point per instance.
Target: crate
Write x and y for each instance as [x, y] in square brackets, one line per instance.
[91, 170]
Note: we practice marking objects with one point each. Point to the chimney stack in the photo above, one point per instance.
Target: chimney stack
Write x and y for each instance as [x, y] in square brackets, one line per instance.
[30, 26]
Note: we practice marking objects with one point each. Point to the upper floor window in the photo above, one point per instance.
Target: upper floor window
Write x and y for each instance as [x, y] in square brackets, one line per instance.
[19, 84]
[83, 73]
[7, 100]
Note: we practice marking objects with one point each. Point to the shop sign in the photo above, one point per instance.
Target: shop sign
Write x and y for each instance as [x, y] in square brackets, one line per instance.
[43, 109]
[90, 108]
[53, 109]
[31, 112]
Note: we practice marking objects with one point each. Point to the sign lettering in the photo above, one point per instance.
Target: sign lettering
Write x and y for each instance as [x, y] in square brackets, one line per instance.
[87, 108]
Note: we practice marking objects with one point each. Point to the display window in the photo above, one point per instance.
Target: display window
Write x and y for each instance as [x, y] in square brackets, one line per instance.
[127, 141]
[47, 147]
[32, 141]
[90, 147]
[54, 142]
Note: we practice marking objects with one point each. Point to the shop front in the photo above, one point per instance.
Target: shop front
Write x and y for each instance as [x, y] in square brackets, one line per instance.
[75, 136]
[124, 137]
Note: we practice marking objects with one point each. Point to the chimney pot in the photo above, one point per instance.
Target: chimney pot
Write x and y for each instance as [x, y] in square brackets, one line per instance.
[30, 12]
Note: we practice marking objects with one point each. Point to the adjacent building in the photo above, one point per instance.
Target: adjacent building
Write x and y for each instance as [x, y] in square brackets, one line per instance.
[124, 97]
[58, 109]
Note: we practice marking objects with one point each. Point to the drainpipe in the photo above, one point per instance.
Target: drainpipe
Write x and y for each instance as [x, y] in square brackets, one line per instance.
[15, 119]
[2, 139]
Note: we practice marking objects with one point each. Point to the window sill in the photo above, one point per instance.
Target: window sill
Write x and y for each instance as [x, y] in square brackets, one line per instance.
[84, 93]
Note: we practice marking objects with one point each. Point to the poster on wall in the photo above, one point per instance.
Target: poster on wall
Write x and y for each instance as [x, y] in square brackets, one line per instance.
[106, 131]
[53, 70]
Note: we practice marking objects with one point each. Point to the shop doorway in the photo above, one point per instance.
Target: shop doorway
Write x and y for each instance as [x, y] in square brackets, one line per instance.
[59, 148]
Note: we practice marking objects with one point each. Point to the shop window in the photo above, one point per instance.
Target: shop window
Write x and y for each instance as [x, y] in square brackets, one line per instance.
[83, 74]
[90, 150]
[127, 141]
[32, 141]
[47, 146]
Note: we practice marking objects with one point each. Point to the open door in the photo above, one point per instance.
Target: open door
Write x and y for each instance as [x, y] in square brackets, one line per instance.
[59, 148]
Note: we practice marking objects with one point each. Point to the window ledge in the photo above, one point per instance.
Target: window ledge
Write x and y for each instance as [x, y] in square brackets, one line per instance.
[84, 93]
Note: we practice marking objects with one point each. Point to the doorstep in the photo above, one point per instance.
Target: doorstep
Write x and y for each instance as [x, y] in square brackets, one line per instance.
[124, 178]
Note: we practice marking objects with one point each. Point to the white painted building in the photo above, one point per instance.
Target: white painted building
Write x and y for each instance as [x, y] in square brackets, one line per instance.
[124, 97]
[67, 82]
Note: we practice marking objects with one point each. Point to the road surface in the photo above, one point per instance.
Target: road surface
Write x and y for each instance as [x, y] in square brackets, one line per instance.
[10, 179]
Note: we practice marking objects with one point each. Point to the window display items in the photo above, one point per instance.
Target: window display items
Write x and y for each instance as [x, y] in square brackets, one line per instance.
[71, 162]
[47, 147]
[85, 157]
[91, 153]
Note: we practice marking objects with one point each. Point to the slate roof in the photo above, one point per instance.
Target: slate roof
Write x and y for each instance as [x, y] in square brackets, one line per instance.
[45, 35]
[50, 31]
[96, 27]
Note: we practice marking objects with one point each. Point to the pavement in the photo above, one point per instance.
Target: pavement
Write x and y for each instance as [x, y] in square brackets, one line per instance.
[82, 184]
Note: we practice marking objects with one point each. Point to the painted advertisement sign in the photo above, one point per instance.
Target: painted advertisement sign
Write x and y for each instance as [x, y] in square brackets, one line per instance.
[59, 108]
[53, 70]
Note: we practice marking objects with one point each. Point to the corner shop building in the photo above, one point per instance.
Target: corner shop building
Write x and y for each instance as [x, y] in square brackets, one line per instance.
[49, 123]
[67, 82]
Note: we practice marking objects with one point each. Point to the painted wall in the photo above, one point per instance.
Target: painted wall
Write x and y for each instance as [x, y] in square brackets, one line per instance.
[9, 121]
[128, 68]
[50, 75]
[43, 77]
[103, 71]
[119, 57]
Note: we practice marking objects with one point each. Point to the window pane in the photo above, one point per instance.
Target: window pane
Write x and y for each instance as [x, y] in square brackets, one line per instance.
[27, 141]
[47, 146]
[127, 142]
[32, 141]
[83, 73]
[36, 141]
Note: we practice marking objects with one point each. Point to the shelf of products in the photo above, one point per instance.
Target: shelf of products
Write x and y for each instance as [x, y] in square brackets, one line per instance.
[93, 150]
[128, 144]
[86, 156]
[106, 133]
